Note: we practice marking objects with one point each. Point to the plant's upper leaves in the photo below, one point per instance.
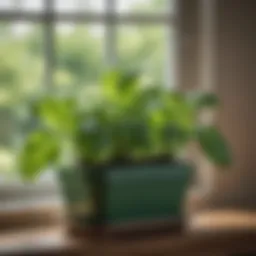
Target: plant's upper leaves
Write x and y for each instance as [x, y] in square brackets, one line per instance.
[41, 149]
[214, 146]
[127, 118]
[120, 85]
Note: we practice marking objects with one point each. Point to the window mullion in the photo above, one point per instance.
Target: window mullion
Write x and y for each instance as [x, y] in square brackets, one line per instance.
[110, 34]
[171, 57]
[49, 51]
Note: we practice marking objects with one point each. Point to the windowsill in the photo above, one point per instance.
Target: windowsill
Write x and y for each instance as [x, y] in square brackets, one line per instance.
[20, 214]
[28, 204]
[201, 240]
[13, 192]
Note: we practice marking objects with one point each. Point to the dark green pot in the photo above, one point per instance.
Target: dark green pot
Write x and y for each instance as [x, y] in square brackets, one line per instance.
[126, 194]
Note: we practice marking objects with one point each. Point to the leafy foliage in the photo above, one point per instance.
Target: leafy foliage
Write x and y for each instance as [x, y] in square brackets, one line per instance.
[40, 150]
[58, 113]
[214, 145]
[127, 120]
[201, 100]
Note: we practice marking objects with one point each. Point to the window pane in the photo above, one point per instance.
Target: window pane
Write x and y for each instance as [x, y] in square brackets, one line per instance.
[28, 5]
[79, 55]
[145, 6]
[79, 5]
[145, 48]
[21, 73]
[32, 5]
[7, 4]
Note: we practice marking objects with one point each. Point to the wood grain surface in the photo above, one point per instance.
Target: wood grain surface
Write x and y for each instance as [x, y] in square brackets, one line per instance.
[223, 233]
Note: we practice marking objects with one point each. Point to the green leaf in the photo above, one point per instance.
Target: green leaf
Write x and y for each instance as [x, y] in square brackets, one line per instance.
[40, 150]
[93, 137]
[214, 146]
[58, 114]
[202, 100]
[120, 83]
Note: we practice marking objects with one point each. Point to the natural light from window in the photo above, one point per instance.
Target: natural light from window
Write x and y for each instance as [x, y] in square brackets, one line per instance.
[67, 44]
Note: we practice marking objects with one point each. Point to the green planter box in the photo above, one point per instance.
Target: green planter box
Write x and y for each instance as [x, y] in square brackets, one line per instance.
[126, 194]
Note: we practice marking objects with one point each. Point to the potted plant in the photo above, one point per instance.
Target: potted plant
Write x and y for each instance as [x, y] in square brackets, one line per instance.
[117, 148]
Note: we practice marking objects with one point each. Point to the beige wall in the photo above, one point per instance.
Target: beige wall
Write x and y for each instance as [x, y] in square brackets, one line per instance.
[189, 42]
[236, 86]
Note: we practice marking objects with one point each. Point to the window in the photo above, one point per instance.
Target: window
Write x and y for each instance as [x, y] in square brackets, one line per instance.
[67, 43]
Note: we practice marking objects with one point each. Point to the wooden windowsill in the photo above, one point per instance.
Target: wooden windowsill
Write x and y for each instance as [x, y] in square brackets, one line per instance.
[205, 237]
[224, 221]
[33, 214]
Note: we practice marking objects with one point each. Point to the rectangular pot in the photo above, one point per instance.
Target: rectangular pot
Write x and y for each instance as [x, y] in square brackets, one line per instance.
[126, 194]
